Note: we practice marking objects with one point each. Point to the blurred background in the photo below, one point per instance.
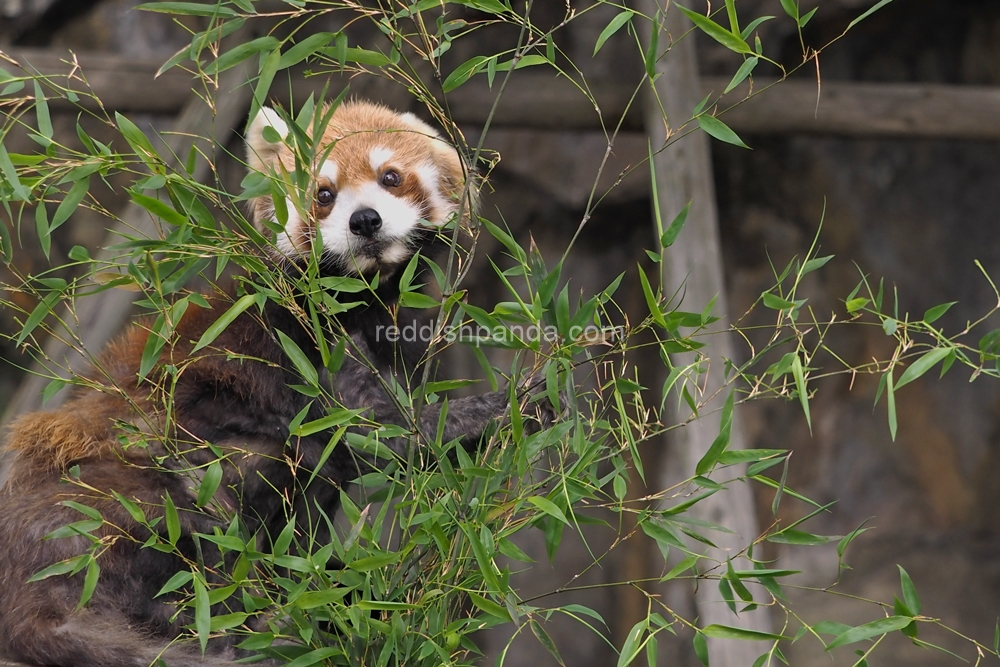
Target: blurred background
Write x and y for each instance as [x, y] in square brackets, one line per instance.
[902, 152]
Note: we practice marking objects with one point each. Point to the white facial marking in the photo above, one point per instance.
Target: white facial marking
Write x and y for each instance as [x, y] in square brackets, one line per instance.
[399, 218]
[430, 178]
[329, 170]
[379, 156]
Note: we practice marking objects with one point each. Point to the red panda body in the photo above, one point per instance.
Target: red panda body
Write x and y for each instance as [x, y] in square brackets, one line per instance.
[384, 182]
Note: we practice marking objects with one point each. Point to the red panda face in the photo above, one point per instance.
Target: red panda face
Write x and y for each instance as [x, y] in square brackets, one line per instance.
[382, 180]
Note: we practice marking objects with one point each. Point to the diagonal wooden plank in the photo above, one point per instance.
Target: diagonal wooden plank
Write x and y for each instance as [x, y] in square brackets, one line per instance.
[101, 316]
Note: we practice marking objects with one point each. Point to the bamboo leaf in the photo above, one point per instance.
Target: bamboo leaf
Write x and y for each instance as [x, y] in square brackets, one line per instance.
[922, 365]
[302, 364]
[742, 73]
[213, 332]
[731, 41]
[172, 519]
[548, 507]
[89, 583]
[728, 632]
[875, 8]
[42, 112]
[202, 612]
[868, 630]
[716, 128]
[800, 387]
[209, 483]
[305, 48]
[613, 26]
[632, 646]
[909, 591]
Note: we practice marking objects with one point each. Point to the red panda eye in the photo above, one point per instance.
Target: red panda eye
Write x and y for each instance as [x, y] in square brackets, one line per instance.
[391, 179]
[325, 197]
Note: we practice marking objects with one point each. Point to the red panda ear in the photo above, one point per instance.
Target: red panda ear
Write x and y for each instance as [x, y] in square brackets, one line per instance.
[454, 170]
[260, 150]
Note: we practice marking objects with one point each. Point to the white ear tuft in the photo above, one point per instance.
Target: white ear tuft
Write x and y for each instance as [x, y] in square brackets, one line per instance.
[260, 151]
[418, 125]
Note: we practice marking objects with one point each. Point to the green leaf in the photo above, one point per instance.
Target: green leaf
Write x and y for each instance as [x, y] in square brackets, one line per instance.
[463, 73]
[42, 112]
[614, 26]
[742, 73]
[701, 648]
[182, 578]
[365, 57]
[791, 8]
[305, 48]
[189, 9]
[209, 483]
[489, 607]
[674, 229]
[855, 305]
[517, 252]
[70, 202]
[935, 313]
[716, 128]
[314, 599]
[489, 6]
[417, 300]
[734, 24]
[728, 632]
[922, 365]
[548, 507]
[721, 441]
[651, 301]
[747, 31]
[43, 229]
[302, 364]
[337, 417]
[879, 5]
[135, 137]
[227, 621]
[238, 54]
[213, 332]
[158, 208]
[545, 640]
[650, 57]
[909, 591]
[793, 536]
[681, 567]
[39, 313]
[375, 562]
[202, 612]
[800, 386]
[815, 263]
[803, 20]
[632, 646]
[775, 302]
[529, 60]
[172, 519]
[21, 192]
[62, 567]
[89, 583]
[868, 630]
[731, 41]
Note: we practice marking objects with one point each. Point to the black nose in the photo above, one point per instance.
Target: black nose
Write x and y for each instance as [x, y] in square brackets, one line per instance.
[365, 222]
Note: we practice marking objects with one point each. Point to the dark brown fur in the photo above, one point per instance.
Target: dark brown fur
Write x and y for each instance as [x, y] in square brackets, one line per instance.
[234, 394]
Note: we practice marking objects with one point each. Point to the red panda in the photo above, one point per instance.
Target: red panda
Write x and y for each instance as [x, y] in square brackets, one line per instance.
[382, 184]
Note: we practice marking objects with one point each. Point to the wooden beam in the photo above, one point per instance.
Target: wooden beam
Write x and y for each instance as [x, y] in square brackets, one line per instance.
[693, 267]
[536, 99]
